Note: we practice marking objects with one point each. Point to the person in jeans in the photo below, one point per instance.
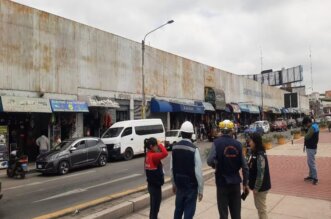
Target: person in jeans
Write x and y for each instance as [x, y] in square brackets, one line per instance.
[186, 174]
[311, 141]
[154, 172]
[259, 175]
[227, 158]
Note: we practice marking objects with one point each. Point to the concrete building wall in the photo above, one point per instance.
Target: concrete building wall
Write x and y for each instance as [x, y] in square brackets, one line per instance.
[41, 52]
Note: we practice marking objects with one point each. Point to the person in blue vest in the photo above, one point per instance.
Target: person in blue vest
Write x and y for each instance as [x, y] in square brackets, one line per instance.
[227, 158]
[186, 174]
[310, 145]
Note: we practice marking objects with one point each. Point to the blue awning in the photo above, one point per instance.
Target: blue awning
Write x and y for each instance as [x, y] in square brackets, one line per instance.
[253, 109]
[243, 107]
[208, 106]
[160, 106]
[69, 106]
[187, 108]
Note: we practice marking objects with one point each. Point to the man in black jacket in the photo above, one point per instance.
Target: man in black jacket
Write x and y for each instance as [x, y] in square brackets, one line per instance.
[227, 158]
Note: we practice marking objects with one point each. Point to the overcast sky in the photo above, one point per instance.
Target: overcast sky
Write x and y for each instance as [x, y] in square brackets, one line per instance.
[226, 34]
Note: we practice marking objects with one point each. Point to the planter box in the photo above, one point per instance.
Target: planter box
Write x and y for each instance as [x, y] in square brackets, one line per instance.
[281, 140]
[267, 146]
[296, 136]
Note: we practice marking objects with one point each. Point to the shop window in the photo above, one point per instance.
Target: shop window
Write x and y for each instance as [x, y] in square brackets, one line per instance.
[127, 131]
[149, 129]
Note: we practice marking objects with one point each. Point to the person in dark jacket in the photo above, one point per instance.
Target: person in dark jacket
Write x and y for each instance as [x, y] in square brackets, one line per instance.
[259, 175]
[311, 141]
[154, 172]
[227, 158]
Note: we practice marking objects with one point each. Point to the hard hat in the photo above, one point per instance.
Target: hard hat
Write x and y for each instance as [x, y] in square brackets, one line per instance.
[226, 125]
[187, 127]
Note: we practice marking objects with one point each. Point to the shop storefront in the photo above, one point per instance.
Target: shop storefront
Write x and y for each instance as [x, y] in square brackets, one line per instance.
[161, 109]
[24, 119]
[65, 120]
[102, 114]
[234, 112]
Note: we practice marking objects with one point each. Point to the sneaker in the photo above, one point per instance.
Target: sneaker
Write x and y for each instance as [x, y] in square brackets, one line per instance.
[315, 181]
[308, 178]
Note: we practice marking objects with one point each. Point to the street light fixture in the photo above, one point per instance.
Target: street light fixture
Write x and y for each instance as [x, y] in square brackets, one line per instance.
[142, 68]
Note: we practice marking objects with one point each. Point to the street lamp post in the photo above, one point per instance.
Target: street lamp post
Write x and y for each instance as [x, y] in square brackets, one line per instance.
[142, 68]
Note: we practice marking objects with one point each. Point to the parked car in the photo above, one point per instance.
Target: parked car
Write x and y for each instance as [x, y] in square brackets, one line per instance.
[73, 153]
[279, 125]
[174, 136]
[255, 127]
[291, 123]
[126, 138]
[264, 124]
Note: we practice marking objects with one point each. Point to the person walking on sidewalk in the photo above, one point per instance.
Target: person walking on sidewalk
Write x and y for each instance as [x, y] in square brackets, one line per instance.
[259, 175]
[154, 172]
[311, 141]
[227, 158]
[186, 174]
[43, 143]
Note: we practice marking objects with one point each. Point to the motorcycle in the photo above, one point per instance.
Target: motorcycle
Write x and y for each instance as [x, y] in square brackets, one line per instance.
[17, 165]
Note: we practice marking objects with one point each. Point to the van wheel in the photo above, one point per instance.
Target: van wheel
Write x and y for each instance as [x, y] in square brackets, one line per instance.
[128, 154]
[63, 168]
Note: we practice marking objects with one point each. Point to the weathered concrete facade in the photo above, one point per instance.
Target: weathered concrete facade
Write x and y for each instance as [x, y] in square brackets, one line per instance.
[44, 53]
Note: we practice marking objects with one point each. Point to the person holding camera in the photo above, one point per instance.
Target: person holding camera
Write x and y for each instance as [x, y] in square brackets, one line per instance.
[155, 152]
[259, 175]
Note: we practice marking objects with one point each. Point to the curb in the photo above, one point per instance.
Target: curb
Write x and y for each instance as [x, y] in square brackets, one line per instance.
[136, 204]
[127, 207]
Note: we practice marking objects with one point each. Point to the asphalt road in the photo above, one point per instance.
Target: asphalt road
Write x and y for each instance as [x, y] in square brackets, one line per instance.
[38, 195]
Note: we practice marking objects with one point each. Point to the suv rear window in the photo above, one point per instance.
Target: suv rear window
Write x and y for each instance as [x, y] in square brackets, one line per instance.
[149, 129]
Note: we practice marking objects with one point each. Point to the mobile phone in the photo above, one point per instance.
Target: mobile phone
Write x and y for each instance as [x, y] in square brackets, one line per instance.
[244, 195]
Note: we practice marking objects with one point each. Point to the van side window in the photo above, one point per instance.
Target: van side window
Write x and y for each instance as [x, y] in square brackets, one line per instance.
[127, 131]
[149, 129]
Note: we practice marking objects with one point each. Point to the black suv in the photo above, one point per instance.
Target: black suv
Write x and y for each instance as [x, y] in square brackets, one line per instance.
[71, 154]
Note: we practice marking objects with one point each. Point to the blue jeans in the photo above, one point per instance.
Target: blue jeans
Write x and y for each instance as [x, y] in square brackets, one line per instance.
[311, 162]
[186, 201]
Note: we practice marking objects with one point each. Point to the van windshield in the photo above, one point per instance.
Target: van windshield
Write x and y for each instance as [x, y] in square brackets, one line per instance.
[112, 132]
[171, 133]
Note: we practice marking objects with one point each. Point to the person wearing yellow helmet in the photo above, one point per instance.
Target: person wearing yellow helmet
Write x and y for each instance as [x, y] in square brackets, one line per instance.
[227, 159]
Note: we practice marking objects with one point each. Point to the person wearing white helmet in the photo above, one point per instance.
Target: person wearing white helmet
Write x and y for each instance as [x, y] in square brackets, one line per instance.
[227, 159]
[186, 173]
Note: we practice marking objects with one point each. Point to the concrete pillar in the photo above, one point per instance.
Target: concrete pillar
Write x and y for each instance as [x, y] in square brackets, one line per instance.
[168, 121]
[131, 108]
[79, 127]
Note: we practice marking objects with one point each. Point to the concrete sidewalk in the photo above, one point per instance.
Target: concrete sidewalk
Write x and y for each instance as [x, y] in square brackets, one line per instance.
[290, 197]
[279, 206]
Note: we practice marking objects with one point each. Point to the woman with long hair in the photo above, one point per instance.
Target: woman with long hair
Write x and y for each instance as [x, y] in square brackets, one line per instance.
[259, 175]
[154, 152]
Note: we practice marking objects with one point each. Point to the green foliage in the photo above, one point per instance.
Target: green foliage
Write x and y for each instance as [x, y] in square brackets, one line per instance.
[278, 136]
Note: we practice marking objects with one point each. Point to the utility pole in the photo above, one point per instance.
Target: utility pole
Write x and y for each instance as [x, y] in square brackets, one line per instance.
[311, 71]
[262, 113]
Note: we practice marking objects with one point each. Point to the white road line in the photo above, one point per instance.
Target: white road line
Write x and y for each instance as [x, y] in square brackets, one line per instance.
[80, 190]
[50, 180]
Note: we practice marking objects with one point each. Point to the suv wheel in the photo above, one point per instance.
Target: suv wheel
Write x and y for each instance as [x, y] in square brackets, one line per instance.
[102, 161]
[63, 167]
[128, 154]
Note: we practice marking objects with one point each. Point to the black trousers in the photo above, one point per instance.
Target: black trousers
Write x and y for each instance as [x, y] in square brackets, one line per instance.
[229, 197]
[155, 195]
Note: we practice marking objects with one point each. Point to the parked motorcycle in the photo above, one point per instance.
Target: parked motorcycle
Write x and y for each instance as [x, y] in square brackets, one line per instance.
[17, 165]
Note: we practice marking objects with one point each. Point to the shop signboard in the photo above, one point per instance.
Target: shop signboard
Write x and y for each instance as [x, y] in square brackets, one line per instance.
[25, 104]
[220, 103]
[3, 147]
[69, 106]
[97, 101]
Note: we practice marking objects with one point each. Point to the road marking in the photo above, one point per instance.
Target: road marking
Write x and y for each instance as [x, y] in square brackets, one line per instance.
[80, 190]
[50, 180]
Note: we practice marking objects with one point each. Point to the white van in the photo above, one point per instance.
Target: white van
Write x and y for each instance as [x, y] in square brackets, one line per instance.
[126, 139]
